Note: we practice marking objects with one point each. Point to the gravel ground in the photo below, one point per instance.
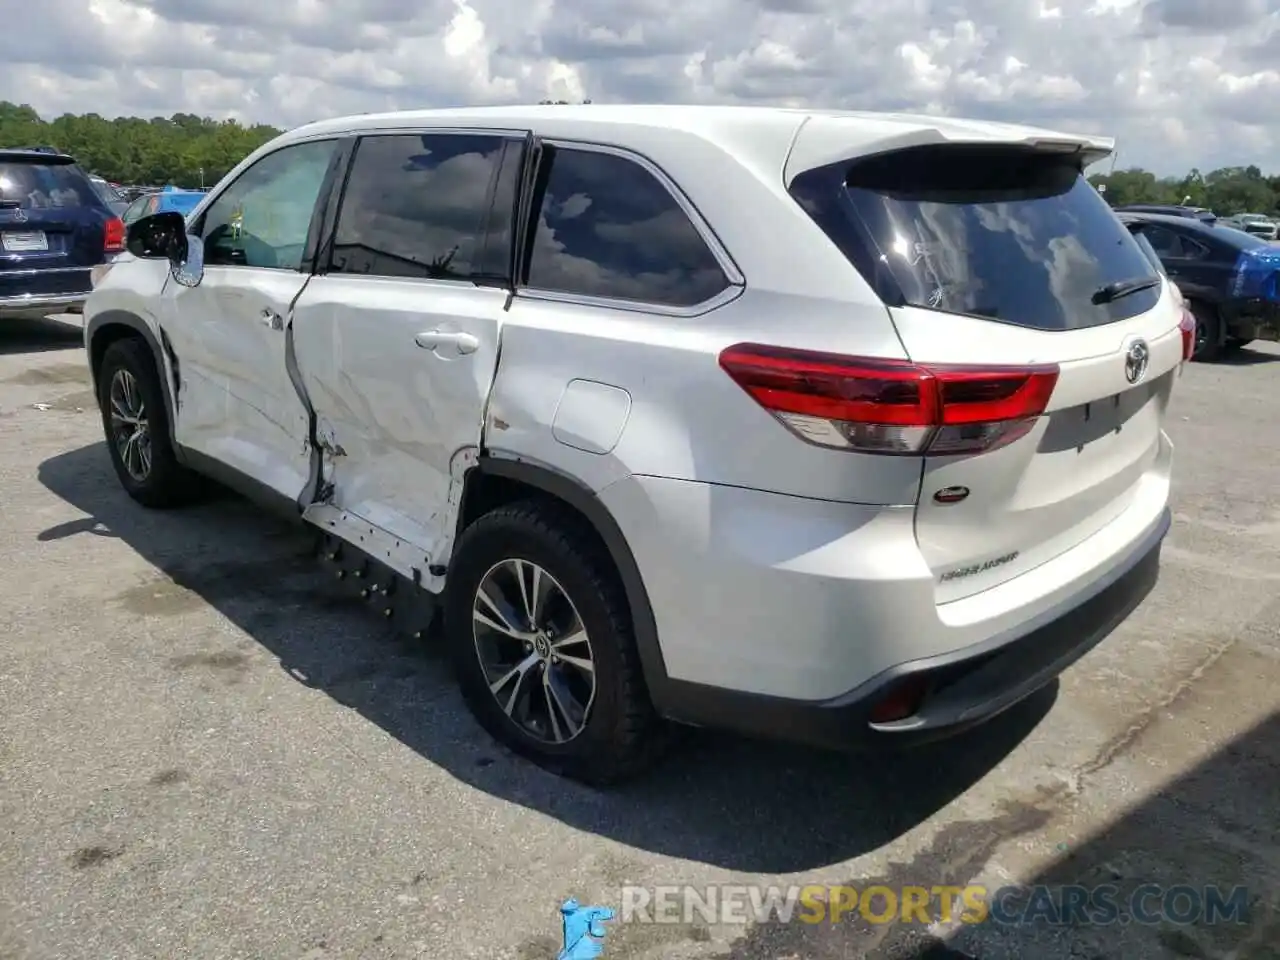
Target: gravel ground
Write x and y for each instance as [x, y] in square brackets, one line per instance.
[207, 753]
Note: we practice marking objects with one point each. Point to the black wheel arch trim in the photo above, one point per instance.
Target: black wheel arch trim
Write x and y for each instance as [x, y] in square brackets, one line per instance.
[573, 492]
[124, 318]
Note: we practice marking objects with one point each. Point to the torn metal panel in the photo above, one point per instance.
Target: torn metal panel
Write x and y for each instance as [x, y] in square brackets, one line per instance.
[406, 559]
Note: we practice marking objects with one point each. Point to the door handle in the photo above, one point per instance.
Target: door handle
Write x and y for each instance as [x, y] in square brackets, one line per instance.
[272, 319]
[459, 340]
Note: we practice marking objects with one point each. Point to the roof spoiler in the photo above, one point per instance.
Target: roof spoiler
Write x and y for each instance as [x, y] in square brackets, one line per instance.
[823, 140]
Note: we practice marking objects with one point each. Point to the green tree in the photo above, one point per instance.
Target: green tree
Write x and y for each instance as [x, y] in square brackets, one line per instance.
[185, 150]
[1225, 191]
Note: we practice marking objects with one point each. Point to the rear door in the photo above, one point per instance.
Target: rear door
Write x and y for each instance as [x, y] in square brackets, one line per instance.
[993, 257]
[52, 225]
[396, 337]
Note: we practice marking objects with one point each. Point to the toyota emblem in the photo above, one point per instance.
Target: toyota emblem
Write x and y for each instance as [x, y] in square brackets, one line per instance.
[1136, 360]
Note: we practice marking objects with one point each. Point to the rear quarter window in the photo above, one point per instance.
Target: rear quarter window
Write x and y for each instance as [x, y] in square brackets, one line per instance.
[1001, 233]
[39, 186]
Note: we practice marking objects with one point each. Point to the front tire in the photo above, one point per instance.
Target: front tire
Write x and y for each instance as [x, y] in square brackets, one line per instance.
[135, 422]
[543, 645]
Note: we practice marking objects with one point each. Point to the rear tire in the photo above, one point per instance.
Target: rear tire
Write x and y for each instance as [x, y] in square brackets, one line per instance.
[135, 423]
[1209, 341]
[534, 692]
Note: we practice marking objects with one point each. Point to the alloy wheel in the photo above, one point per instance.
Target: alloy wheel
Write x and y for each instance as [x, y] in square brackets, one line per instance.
[130, 428]
[534, 651]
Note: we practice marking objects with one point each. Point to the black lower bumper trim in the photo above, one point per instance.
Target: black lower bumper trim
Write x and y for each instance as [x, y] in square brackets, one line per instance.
[959, 690]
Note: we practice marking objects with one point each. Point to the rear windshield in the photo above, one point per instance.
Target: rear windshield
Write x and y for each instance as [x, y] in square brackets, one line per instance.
[1005, 234]
[1240, 239]
[37, 186]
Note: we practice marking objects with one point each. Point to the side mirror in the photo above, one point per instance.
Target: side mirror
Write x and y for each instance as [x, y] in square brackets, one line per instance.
[157, 237]
[163, 236]
[190, 270]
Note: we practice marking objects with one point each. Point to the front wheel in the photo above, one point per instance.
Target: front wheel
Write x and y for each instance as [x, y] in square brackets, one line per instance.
[543, 646]
[136, 425]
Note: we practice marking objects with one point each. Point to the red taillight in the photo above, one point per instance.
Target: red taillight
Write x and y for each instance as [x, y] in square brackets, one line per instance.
[892, 406]
[1187, 325]
[113, 236]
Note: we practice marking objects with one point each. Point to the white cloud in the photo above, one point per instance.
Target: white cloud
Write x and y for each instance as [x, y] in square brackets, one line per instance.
[1180, 83]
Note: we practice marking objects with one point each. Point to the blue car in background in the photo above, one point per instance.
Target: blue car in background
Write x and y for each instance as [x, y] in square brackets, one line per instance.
[1230, 279]
[170, 199]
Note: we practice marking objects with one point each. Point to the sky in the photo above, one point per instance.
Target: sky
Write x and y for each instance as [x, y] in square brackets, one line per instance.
[1179, 83]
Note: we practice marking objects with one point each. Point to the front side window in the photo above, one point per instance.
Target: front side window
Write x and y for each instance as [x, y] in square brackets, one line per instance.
[416, 206]
[262, 219]
[136, 210]
[1001, 233]
[608, 228]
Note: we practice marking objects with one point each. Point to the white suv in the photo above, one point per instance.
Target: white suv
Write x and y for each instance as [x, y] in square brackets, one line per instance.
[841, 428]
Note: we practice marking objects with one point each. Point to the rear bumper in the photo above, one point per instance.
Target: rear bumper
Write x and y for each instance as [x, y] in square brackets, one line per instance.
[1250, 319]
[37, 305]
[964, 687]
[793, 618]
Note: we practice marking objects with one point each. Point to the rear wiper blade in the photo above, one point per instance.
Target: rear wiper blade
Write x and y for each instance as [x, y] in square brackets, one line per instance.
[1122, 288]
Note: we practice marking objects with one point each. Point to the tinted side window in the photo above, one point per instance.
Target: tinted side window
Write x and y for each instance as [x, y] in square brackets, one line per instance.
[609, 228]
[416, 206]
[262, 219]
[1194, 249]
[1165, 242]
[1152, 257]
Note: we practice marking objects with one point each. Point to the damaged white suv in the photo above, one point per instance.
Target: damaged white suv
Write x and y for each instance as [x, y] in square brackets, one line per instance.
[840, 428]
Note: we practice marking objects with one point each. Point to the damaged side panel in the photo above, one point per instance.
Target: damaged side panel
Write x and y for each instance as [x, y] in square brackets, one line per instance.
[228, 368]
[396, 375]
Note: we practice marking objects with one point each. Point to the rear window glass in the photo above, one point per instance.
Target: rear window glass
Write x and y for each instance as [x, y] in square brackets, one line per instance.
[37, 186]
[1004, 234]
[1241, 239]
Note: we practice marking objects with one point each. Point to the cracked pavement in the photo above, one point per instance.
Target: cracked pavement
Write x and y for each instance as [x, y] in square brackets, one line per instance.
[207, 752]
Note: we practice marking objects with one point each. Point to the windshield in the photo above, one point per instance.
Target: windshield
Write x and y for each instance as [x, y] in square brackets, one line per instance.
[38, 186]
[1001, 233]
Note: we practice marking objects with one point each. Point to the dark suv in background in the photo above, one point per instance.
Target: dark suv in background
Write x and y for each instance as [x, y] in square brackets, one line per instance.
[55, 227]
